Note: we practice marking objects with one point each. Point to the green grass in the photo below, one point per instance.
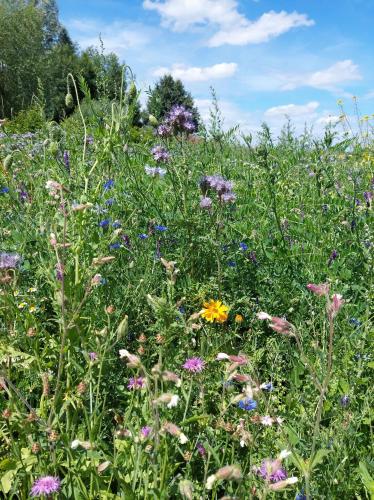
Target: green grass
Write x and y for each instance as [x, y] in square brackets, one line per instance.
[300, 216]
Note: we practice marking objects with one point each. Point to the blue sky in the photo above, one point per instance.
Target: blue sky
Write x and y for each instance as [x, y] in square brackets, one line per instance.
[265, 58]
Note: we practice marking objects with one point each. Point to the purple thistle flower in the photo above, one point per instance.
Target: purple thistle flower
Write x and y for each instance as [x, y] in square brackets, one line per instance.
[272, 471]
[9, 260]
[194, 365]
[160, 154]
[200, 448]
[205, 202]
[247, 404]
[46, 486]
[136, 383]
[145, 431]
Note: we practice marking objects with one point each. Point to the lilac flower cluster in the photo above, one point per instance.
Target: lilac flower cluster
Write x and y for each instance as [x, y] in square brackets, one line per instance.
[160, 154]
[179, 119]
[220, 185]
[9, 260]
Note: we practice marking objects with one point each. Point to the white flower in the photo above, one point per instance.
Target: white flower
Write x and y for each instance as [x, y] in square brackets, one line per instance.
[266, 420]
[75, 444]
[263, 315]
[173, 401]
[210, 482]
[221, 356]
[284, 454]
[183, 438]
[279, 420]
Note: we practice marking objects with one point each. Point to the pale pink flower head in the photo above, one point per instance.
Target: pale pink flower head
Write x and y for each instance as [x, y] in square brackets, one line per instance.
[320, 290]
[280, 325]
[194, 365]
[336, 304]
[267, 421]
[133, 361]
[45, 486]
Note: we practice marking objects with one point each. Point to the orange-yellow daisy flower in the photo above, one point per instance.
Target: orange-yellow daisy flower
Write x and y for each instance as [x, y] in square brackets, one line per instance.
[215, 311]
[239, 318]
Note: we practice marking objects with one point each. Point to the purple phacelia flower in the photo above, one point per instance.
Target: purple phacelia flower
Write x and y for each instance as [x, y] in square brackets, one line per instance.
[160, 154]
[66, 158]
[9, 260]
[93, 356]
[205, 202]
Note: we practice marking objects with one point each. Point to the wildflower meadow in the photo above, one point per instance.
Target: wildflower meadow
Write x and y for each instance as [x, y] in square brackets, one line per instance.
[185, 313]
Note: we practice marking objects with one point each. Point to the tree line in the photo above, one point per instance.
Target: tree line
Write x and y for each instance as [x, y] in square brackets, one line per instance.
[37, 54]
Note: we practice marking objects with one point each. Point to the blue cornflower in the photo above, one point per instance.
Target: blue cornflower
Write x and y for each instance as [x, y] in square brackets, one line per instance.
[109, 201]
[355, 322]
[104, 223]
[231, 263]
[4, 190]
[103, 281]
[267, 386]
[143, 236]
[108, 184]
[243, 246]
[161, 228]
[301, 496]
[116, 224]
[181, 309]
[114, 246]
[247, 404]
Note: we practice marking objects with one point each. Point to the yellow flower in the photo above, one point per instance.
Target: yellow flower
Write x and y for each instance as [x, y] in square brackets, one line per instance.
[32, 289]
[215, 311]
[16, 293]
[239, 318]
[32, 309]
[22, 305]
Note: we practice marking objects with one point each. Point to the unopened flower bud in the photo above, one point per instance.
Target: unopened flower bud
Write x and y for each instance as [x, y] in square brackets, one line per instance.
[186, 489]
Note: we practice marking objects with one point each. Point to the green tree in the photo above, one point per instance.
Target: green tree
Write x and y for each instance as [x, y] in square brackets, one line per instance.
[167, 93]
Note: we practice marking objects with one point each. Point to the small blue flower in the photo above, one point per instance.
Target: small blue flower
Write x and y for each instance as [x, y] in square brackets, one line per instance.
[247, 404]
[143, 236]
[161, 228]
[231, 263]
[301, 496]
[108, 184]
[110, 202]
[104, 223]
[267, 386]
[114, 246]
[243, 246]
[355, 322]
[344, 401]
[4, 190]
[103, 281]
[116, 224]
[182, 310]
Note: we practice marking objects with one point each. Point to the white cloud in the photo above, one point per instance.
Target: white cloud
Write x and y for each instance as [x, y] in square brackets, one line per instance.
[233, 27]
[340, 72]
[117, 37]
[328, 120]
[268, 26]
[231, 113]
[198, 74]
[292, 110]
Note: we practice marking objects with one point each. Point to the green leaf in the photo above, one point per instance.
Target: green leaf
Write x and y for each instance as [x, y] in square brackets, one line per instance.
[366, 479]
[318, 458]
[7, 480]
